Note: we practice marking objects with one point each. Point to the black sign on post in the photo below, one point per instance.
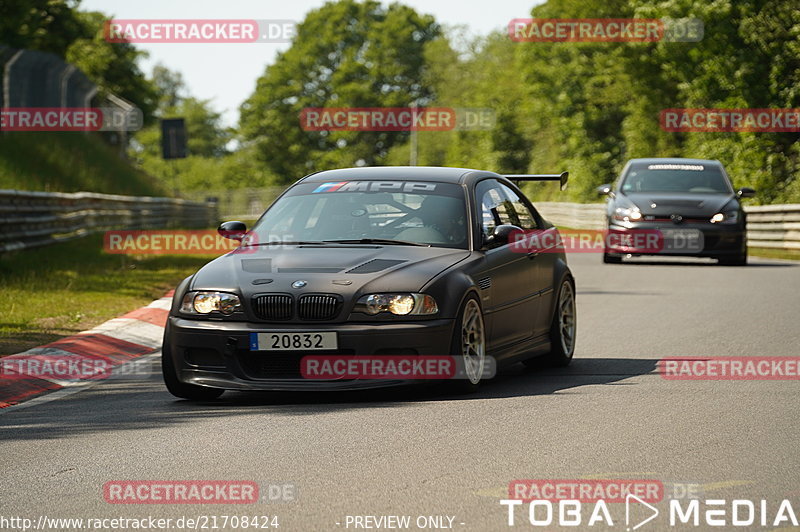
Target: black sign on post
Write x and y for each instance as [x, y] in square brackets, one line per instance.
[173, 138]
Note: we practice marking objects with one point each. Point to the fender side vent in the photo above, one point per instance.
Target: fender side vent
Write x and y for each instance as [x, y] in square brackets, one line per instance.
[485, 283]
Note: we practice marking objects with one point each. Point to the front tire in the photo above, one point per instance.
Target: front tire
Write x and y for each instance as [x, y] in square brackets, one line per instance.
[174, 385]
[469, 343]
[611, 259]
[736, 260]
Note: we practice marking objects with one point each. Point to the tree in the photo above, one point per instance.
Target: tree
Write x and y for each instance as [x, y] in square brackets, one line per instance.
[170, 86]
[112, 66]
[206, 137]
[43, 25]
[209, 164]
[345, 54]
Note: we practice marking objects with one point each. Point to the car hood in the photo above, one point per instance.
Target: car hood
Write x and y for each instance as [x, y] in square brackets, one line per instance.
[687, 205]
[349, 270]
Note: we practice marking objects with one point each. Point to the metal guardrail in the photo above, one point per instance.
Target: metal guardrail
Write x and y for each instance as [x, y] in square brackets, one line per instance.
[32, 219]
[238, 203]
[768, 226]
[574, 215]
[773, 226]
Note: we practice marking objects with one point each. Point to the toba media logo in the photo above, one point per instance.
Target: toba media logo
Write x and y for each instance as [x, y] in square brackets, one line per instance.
[585, 503]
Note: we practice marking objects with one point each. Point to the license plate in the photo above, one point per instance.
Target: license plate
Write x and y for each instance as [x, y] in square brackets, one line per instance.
[682, 240]
[293, 341]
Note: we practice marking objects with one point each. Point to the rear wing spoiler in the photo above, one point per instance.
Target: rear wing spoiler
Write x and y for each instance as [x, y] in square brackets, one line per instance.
[562, 177]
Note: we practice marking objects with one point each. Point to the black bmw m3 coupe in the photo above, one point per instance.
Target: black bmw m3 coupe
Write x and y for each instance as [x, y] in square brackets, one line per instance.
[373, 262]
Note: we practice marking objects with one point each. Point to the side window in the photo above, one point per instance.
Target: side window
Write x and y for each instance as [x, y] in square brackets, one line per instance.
[521, 213]
[490, 199]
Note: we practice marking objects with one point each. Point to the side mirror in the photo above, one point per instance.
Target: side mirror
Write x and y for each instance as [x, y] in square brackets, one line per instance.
[745, 192]
[604, 190]
[501, 235]
[232, 230]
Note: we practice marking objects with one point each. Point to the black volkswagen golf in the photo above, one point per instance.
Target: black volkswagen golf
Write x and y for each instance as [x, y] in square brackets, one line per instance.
[373, 262]
[690, 203]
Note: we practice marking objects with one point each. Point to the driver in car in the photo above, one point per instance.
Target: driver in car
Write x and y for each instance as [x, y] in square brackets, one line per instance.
[440, 225]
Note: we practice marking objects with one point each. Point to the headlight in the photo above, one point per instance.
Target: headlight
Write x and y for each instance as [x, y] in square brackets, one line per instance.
[730, 217]
[208, 302]
[398, 304]
[624, 214]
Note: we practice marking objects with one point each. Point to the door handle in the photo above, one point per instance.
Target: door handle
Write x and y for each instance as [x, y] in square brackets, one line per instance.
[532, 254]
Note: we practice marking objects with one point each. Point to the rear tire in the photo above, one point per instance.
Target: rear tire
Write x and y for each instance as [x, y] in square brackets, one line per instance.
[611, 259]
[174, 385]
[564, 327]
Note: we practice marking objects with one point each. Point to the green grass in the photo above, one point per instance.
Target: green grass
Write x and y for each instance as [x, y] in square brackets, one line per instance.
[770, 253]
[57, 291]
[69, 162]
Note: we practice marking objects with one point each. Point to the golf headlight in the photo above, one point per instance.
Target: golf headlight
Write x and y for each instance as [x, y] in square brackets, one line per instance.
[625, 214]
[398, 304]
[208, 302]
[730, 217]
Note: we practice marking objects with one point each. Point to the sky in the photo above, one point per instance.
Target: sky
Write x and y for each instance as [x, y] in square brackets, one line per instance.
[226, 74]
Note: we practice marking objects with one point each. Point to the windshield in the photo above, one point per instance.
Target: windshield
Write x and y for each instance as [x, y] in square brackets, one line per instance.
[404, 211]
[683, 178]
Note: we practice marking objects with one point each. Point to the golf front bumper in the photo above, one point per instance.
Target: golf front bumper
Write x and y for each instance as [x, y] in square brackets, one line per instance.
[688, 239]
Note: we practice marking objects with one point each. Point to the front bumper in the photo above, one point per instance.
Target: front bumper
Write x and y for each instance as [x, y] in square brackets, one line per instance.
[217, 353]
[715, 240]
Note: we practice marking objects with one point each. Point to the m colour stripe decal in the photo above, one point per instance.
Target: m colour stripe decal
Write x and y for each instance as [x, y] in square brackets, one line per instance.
[329, 187]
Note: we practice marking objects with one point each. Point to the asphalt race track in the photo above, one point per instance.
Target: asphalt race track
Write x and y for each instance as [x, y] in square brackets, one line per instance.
[415, 453]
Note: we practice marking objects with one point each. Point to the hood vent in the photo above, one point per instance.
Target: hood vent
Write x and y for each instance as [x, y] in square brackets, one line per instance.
[375, 265]
[257, 265]
[309, 270]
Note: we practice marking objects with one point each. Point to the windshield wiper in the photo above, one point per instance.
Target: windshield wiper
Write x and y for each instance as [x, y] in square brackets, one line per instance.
[387, 241]
[297, 243]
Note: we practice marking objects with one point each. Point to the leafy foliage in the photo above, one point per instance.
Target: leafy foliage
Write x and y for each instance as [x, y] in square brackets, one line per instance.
[345, 54]
[582, 107]
[112, 66]
[589, 107]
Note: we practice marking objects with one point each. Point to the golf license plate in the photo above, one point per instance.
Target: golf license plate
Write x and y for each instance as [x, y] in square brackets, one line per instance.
[293, 341]
[682, 240]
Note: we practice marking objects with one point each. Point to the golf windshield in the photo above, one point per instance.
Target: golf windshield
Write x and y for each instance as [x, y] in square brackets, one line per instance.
[404, 211]
[681, 178]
